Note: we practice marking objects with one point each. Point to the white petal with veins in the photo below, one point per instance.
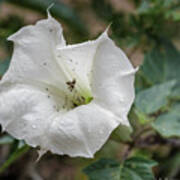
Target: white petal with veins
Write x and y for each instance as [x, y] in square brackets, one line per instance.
[34, 59]
[65, 98]
[113, 78]
[33, 117]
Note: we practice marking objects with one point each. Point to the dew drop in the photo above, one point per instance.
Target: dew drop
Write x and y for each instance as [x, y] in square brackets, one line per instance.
[34, 126]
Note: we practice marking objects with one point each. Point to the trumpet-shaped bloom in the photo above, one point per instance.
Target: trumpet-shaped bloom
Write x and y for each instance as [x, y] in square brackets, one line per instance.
[64, 98]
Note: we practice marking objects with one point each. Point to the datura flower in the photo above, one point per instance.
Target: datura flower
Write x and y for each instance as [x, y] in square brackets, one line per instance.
[64, 98]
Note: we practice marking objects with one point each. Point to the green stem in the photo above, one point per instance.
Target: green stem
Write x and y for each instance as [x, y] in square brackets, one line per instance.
[13, 157]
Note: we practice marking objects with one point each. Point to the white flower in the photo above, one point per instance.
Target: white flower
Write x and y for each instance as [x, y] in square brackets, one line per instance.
[64, 98]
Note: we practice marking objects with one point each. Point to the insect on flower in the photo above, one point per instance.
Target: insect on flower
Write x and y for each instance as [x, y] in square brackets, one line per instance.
[64, 98]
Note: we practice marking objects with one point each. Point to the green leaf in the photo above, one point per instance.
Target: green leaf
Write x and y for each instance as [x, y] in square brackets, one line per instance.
[152, 99]
[60, 10]
[4, 66]
[104, 169]
[6, 139]
[175, 108]
[135, 168]
[153, 67]
[161, 65]
[138, 168]
[168, 124]
[14, 156]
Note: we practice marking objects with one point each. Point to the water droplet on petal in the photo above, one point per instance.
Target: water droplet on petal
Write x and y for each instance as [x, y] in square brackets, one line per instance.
[34, 126]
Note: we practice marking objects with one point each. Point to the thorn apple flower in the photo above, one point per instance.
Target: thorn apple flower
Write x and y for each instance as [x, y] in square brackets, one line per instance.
[64, 98]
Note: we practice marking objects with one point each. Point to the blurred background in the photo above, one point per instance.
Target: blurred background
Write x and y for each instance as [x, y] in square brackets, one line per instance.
[149, 32]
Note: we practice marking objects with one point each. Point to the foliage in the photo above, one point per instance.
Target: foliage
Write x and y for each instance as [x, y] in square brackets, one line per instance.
[167, 124]
[4, 66]
[135, 168]
[59, 10]
[151, 21]
[159, 94]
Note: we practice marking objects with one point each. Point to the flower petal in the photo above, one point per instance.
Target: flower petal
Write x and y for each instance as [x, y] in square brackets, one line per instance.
[79, 58]
[27, 113]
[82, 131]
[113, 78]
[40, 58]
[34, 57]
[103, 65]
